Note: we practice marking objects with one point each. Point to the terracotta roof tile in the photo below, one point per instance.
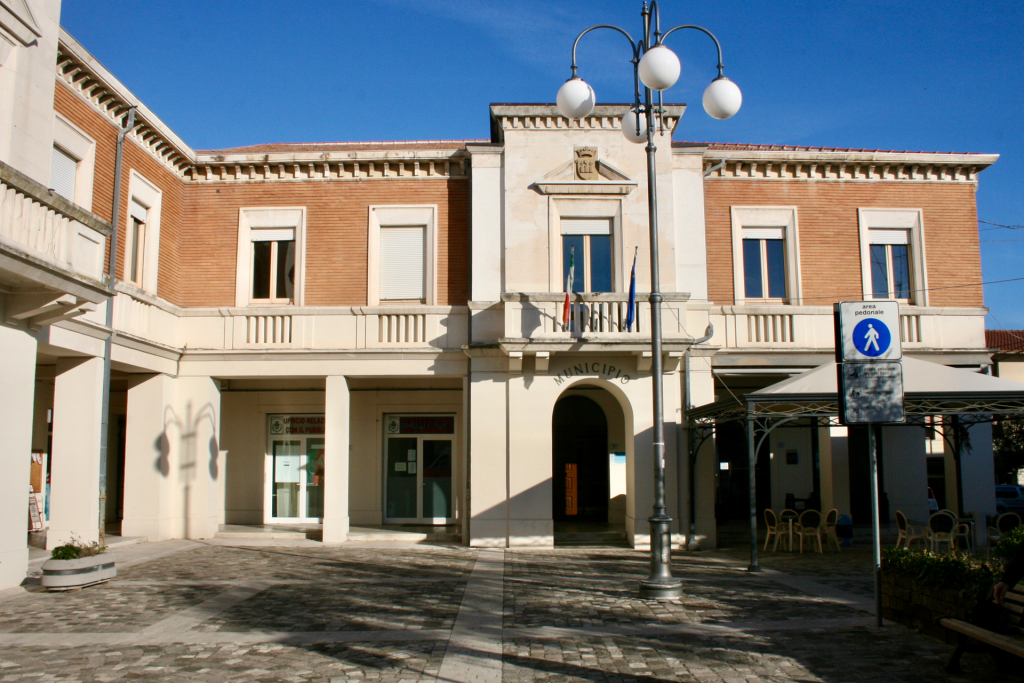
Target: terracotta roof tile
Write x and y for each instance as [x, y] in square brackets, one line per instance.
[297, 147]
[795, 148]
[1005, 340]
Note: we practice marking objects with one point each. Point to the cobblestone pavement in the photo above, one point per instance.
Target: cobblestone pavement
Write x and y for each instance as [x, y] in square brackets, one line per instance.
[396, 615]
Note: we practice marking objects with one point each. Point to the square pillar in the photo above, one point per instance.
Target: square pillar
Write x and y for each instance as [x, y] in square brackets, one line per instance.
[174, 470]
[17, 377]
[337, 416]
[147, 463]
[488, 460]
[75, 468]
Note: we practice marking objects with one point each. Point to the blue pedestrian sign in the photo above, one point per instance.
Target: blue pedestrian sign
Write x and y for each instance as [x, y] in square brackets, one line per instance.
[871, 337]
[868, 331]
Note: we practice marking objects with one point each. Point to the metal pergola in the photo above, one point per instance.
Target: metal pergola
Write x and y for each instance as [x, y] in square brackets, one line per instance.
[969, 398]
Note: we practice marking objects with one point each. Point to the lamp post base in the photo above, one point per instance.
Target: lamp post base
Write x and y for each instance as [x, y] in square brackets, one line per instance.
[661, 591]
[661, 585]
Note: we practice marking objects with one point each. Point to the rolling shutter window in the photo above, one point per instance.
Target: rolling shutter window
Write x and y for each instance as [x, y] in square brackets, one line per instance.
[138, 211]
[273, 234]
[586, 226]
[764, 233]
[63, 169]
[884, 236]
[403, 254]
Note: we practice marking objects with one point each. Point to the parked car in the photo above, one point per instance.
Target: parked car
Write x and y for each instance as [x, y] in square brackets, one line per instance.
[1009, 499]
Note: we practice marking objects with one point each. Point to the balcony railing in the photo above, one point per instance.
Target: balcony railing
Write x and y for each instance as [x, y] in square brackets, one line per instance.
[48, 231]
[598, 317]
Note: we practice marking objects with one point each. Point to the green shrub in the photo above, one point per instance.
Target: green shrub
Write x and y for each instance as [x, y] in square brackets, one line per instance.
[1008, 547]
[969, 575]
[77, 548]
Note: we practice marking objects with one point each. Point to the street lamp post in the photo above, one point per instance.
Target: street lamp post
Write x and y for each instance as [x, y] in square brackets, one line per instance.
[657, 68]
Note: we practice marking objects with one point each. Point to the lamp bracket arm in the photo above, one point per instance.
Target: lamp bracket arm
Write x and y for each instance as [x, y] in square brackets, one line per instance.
[632, 44]
[704, 31]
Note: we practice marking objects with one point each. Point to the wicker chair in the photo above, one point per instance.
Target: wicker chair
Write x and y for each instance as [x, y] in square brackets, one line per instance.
[772, 522]
[941, 526]
[908, 532]
[1005, 523]
[809, 525]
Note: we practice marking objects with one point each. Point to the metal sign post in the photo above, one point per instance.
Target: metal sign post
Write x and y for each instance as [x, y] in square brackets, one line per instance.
[870, 385]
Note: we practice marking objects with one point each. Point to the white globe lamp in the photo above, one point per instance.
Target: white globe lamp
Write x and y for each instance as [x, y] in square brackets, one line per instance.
[629, 127]
[575, 98]
[722, 98]
[659, 68]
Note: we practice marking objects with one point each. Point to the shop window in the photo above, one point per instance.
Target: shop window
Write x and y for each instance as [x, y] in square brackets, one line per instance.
[587, 248]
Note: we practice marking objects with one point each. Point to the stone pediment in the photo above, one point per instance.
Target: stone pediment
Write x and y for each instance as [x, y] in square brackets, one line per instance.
[562, 180]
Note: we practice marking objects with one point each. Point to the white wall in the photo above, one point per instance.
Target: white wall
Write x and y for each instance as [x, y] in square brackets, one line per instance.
[17, 377]
[905, 472]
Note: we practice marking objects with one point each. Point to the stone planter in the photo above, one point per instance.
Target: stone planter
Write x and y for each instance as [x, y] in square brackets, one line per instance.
[62, 575]
[911, 604]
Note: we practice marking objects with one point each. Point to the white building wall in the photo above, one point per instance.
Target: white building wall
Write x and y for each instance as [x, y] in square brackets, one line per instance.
[17, 377]
[905, 472]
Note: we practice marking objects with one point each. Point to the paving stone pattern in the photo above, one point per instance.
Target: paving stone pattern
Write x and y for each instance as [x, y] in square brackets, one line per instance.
[384, 615]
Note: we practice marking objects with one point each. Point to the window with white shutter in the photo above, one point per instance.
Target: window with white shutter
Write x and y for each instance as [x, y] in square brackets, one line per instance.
[587, 249]
[135, 249]
[272, 265]
[403, 254]
[63, 172]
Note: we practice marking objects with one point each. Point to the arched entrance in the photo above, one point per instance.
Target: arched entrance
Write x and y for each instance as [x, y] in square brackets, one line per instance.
[580, 461]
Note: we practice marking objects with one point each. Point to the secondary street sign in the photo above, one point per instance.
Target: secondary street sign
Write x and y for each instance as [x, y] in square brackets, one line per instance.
[868, 331]
[871, 392]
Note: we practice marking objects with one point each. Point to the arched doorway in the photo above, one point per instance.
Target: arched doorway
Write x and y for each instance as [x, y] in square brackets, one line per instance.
[580, 461]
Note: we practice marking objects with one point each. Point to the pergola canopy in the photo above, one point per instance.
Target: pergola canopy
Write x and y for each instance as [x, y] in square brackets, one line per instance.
[929, 389]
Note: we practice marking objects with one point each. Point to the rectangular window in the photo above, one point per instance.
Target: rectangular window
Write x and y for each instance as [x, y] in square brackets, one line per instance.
[764, 263]
[403, 256]
[890, 264]
[63, 172]
[135, 250]
[587, 243]
[273, 265]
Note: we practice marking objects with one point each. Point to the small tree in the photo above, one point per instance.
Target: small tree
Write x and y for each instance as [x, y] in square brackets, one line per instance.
[1008, 448]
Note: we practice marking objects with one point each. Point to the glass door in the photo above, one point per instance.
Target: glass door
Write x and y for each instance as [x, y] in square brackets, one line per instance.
[295, 469]
[418, 469]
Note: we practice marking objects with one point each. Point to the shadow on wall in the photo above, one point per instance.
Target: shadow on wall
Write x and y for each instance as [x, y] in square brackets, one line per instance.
[187, 429]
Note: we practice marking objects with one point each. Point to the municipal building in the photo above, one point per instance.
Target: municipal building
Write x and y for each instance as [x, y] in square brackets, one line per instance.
[362, 336]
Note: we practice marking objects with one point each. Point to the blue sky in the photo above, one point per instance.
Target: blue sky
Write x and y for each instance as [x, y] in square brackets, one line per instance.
[931, 76]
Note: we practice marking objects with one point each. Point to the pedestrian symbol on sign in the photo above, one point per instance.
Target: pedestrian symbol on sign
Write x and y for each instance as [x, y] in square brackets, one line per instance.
[871, 337]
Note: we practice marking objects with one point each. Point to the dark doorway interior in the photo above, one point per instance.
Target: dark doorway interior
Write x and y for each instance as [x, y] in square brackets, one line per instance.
[580, 461]
[860, 477]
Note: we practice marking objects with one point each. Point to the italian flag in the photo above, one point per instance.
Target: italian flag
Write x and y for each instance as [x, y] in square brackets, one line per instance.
[568, 285]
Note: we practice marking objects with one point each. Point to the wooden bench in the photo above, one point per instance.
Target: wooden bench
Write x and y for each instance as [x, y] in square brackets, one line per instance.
[1012, 643]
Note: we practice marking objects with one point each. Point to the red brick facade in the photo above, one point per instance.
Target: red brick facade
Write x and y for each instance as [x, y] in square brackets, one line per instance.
[830, 239]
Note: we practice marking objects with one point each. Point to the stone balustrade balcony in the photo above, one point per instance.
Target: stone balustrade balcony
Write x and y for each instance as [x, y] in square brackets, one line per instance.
[51, 253]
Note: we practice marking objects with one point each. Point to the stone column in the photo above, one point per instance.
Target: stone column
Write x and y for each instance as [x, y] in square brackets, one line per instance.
[17, 377]
[337, 415]
[75, 468]
[488, 467]
[147, 459]
[174, 472]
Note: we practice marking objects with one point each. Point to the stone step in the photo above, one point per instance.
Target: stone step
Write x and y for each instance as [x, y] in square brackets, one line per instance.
[282, 535]
[615, 539]
[399, 536]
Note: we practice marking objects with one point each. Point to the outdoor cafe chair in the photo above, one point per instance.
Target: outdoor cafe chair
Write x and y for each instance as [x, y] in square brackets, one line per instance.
[829, 527]
[772, 523]
[809, 525]
[964, 529]
[908, 532]
[941, 526]
[1005, 523]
